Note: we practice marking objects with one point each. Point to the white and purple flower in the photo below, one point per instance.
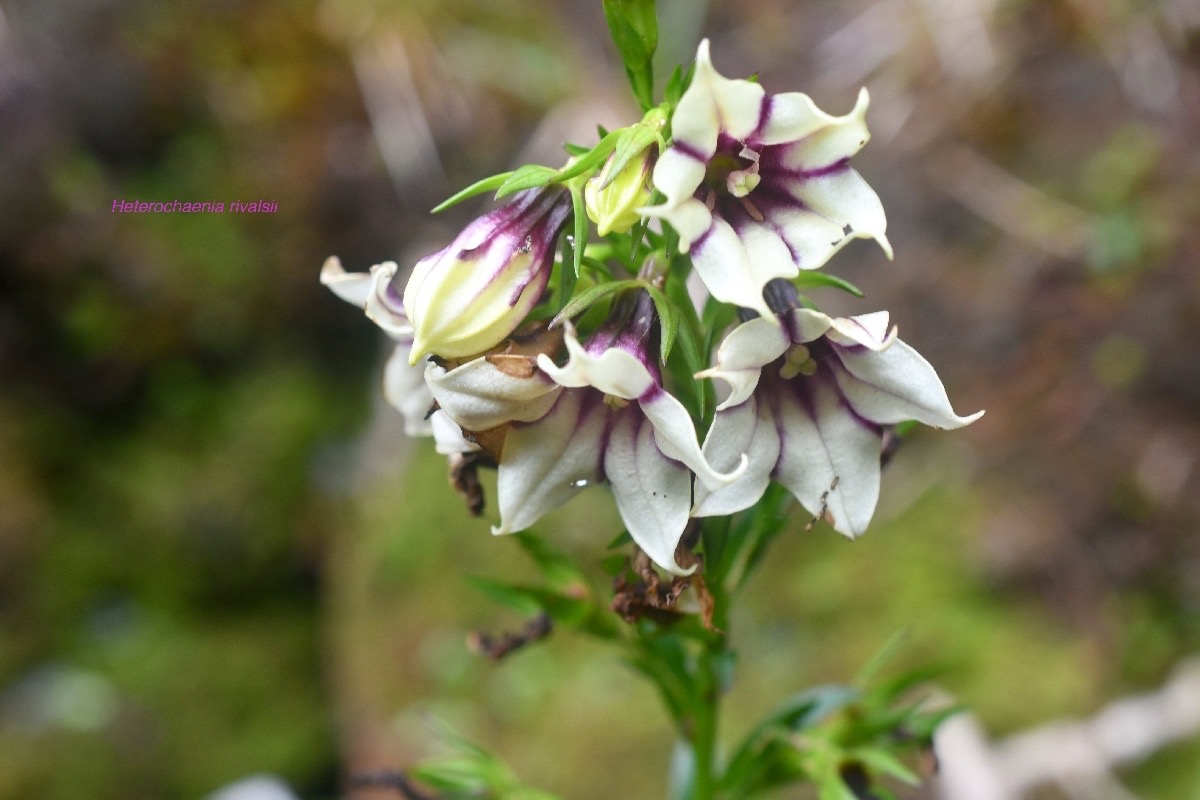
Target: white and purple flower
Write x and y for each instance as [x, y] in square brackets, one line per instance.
[809, 402]
[468, 297]
[758, 186]
[604, 416]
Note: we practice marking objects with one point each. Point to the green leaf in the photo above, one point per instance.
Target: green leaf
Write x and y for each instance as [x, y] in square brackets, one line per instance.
[527, 177]
[579, 241]
[515, 597]
[592, 160]
[676, 85]
[882, 761]
[832, 787]
[589, 297]
[630, 145]
[668, 319]
[620, 540]
[573, 612]
[732, 552]
[813, 278]
[634, 29]
[568, 275]
[559, 570]
[881, 657]
[798, 712]
[479, 187]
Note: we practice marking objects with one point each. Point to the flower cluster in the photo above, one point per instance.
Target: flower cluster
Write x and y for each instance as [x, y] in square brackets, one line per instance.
[565, 373]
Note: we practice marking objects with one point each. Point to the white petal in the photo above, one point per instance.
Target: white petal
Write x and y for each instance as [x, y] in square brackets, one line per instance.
[675, 434]
[792, 116]
[767, 250]
[546, 463]
[894, 385]
[653, 493]
[370, 291]
[812, 238]
[678, 174]
[748, 428]
[867, 330]
[829, 459]
[448, 437]
[405, 390]
[714, 103]
[353, 287]
[691, 219]
[384, 306]
[614, 371]
[741, 357]
[845, 198]
[731, 273]
[834, 142]
[806, 325]
[480, 396]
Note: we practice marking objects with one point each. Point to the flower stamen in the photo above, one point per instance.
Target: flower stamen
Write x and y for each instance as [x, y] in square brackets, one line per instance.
[797, 361]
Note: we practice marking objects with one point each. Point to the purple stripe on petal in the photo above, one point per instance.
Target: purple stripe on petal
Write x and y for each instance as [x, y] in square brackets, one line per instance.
[698, 242]
[821, 172]
[764, 116]
[685, 149]
[653, 393]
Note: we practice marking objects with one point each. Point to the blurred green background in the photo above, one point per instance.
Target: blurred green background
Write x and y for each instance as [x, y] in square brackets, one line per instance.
[220, 557]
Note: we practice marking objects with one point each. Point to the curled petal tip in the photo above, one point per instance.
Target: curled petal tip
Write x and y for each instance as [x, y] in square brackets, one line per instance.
[864, 100]
[885, 244]
[730, 477]
[332, 268]
[967, 420]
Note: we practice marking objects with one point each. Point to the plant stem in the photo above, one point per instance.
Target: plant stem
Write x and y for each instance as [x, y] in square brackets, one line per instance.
[704, 726]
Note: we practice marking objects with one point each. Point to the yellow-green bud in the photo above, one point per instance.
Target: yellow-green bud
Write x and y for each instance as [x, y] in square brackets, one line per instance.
[612, 201]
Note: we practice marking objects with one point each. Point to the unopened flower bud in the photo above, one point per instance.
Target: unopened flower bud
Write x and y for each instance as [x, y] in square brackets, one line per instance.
[468, 297]
[612, 201]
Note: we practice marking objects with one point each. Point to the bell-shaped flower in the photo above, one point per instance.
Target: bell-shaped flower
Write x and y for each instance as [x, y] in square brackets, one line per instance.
[375, 292]
[758, 186]
[604, 416]
[809, 402]
[468, 297]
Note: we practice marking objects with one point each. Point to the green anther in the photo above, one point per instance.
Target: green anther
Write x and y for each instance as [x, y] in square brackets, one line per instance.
[797, 361]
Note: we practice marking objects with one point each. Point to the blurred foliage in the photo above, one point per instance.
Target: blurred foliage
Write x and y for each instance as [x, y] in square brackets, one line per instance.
[203, 577]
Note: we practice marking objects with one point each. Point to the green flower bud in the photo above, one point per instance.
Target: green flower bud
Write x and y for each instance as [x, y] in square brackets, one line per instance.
[612, 201]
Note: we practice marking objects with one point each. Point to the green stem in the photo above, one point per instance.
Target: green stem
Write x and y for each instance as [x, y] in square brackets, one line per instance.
[704, 727]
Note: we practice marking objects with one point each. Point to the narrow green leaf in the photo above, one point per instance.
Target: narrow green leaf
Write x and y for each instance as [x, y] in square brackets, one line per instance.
[668, 319]
[634, 29]
[479, 187]
[560, 571]
[579, 241]
[592, 160]
[881, 657]
[632, 141]
[567, 274]
[676, 85]
[883, 761]
[834, 788]
[526, 177]
[589, 297]
[508, 595]
[813, 278]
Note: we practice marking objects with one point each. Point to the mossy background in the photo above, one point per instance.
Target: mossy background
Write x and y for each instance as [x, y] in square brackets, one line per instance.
[220, 557]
